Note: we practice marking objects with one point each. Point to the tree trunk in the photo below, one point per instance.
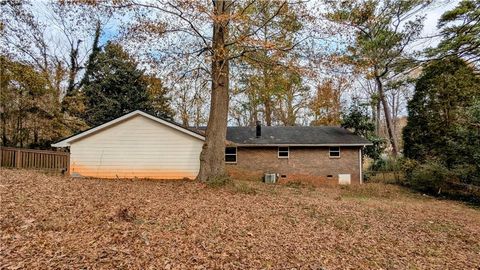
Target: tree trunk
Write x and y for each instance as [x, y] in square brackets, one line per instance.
[3, 110]
[4, 129]
[388, 115]
[253, 107]
[266, 98]
[198, 114]
[93, 54]
[254, 116]
[184, 115]
[74, 68]
[377, 118]
[291, 115]
[212, 158]
[268, 111]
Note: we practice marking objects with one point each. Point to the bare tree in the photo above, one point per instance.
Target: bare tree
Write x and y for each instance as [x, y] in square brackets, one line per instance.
[215, 33]
[383, 31]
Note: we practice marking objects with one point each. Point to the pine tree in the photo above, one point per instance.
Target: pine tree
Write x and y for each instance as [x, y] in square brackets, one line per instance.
[441, 116]
[359, 122]
[383, 31]
[114, 85]
[158, 98]
[460, 29]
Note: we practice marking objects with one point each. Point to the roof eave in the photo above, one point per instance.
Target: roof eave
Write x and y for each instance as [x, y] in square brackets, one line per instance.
[297, 144]
[60, 144]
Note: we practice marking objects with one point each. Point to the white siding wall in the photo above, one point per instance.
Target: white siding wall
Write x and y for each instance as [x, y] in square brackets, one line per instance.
[137, 147]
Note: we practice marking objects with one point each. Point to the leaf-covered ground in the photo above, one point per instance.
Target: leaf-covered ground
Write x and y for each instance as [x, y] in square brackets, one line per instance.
[63, 223]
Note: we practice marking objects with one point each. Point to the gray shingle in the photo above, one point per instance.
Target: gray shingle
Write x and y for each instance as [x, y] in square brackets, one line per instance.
[297, 135]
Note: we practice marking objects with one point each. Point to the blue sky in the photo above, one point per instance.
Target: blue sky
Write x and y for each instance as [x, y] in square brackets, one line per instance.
[111, 30]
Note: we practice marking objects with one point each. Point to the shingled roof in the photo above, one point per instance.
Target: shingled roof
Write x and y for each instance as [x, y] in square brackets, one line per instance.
[246, 136]
[295, 136]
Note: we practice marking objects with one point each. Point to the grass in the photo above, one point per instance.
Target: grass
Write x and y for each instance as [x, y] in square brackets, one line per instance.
[219, 182]
[58, 222]
[243, 188]
[234, 186]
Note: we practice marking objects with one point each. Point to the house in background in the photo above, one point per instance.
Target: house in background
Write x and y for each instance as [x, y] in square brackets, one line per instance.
[315, 154]
[144, 146]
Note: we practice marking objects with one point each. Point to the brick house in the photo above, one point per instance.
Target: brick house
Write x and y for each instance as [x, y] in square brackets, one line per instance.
[140, 145]
[319, 155]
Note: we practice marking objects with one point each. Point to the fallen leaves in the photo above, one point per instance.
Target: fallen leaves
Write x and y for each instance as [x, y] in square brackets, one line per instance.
[58, 222]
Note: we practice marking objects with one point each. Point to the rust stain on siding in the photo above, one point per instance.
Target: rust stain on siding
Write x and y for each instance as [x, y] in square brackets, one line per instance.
[106, 172]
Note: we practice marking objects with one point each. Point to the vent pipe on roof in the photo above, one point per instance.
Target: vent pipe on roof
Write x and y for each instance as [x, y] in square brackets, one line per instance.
[259, 130]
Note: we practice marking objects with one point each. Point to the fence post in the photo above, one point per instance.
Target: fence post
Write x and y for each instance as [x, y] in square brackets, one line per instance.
[18, 158]
[68, 164]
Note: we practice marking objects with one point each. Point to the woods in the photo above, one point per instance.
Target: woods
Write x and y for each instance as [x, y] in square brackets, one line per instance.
[240, 134]
[443, 125]
[71, 65]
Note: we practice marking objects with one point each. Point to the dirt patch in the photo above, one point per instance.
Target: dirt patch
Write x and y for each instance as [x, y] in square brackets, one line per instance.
[59, 222]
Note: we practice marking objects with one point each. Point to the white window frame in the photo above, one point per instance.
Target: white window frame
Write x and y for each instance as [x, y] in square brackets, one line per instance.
[288, 152]
[330, 152]
[236, 155]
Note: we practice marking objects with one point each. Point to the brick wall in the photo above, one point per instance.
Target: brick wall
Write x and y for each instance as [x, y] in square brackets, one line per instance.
[307, 164]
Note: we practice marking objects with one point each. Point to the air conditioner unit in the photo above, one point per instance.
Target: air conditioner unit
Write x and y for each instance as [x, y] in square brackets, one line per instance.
[270, 178]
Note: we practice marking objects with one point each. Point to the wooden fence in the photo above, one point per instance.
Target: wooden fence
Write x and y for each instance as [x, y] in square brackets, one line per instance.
[52, 161]
[392, 177]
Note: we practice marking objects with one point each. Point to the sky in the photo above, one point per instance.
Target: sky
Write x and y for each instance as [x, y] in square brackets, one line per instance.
[432, 15]
[111, 30]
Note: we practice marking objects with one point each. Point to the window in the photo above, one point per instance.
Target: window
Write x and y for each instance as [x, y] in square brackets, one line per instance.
[231, 155]
[334, 152]
[283, 152]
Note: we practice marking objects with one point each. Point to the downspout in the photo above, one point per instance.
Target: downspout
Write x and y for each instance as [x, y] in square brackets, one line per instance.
[360, 164]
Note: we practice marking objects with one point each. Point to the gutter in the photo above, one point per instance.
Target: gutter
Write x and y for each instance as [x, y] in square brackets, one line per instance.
[287, 144]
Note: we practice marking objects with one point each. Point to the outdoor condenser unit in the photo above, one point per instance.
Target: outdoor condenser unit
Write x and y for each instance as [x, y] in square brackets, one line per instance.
[270, 178]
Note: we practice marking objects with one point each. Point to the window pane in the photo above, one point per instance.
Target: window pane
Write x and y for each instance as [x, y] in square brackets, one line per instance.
[334, 154]
[283, 152]
[334, 151]
[230, 158]
[231, 150]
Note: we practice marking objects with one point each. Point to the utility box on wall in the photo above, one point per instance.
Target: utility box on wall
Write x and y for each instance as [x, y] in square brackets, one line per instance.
[270, 178]
[344, 179]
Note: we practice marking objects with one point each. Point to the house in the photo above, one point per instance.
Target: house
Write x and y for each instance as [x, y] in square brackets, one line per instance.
[135, 145]
[296, 153]
[144, 146]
